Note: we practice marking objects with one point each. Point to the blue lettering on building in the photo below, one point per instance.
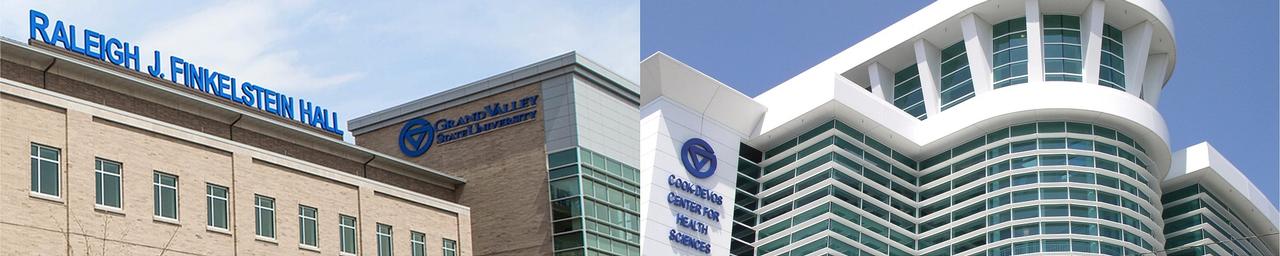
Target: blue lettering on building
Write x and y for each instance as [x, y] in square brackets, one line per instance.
[695, 189]
[691, 223]
[692, 206]
[492, 117]
[689, 241]
[112, 50]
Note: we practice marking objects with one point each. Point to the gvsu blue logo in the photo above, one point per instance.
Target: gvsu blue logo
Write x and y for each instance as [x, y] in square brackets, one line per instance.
[416, 137]
[698, 158]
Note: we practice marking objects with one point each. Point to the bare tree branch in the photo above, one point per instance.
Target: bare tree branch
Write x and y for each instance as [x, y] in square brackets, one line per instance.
[166, 244]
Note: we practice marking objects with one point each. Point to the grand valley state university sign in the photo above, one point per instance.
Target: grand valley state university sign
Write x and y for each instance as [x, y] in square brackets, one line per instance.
[418, 134]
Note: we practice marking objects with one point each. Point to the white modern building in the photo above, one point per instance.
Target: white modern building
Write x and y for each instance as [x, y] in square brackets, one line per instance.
[970, 127]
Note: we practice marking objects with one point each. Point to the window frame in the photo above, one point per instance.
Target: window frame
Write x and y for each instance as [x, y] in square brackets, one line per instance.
[417, 243]
[449, 246]
[302, 226]
[209, 209]
[355, 235]
[389, 235]
[37, 177]
[258, 209]
[98, 178]
[1063, 75]
[1024, 47]
[157, 190]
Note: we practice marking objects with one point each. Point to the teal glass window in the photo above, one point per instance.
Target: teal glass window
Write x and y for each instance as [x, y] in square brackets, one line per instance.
[1009, 54]
[1024, 179]
[264, 215]
[1112, 66]
[1062, 49]
[44, 170]
[307, 223]
[907, 94]
[1084, 228]
[417, 243]
[347, 233]
[1057, 227]
[384, 240]
[1053, 193]
[1024, 162]
[107, 180]
[1080, 245]
[1026, 247]
[1083, 194]
[450, 247]
[217, 201]
[166, 195]
[1080, 144]
[1030, 229]
[1084, 211]
[957, 82]
[1053, 176]
[1054, 210]
[1057, 245]
[1026, 212]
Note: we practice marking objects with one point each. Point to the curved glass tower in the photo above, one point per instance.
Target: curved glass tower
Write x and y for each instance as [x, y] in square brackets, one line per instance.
[968, 128]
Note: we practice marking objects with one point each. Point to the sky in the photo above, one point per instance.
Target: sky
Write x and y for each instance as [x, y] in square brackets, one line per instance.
[357, 57]
[1224, 88]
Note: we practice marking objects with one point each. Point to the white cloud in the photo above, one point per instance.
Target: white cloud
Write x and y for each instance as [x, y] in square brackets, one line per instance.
[246, 39]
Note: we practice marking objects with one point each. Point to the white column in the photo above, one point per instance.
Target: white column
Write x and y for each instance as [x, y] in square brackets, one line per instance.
[977, 46]
[1137, 45]
[929, 63]
[1091, 33]
[881, 81]
[1153, 80]
[1035, 43]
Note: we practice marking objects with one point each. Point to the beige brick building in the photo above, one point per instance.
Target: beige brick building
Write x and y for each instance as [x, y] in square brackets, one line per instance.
[99, 160]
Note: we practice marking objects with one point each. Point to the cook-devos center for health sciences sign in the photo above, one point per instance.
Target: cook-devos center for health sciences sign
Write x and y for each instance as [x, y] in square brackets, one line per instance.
[121, 53]
[699, 159]
[418, 134]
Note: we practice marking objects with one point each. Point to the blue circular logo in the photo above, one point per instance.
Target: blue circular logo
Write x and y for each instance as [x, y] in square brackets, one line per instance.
[416, 137]
[698, 158]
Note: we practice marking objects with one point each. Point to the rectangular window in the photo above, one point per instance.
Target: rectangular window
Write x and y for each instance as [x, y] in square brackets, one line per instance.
[450, 247]
[1054, 210]
[1026, 230]
[1062, 48]
[1024, 195]
[307, 225]
[216, 201]
[384, 240]
[907, 94]
[1057, 227]
[1009, 52]
[1027, 247]
[1057, 245]
[264, 216]
[417, 243]
[347, 231]
[957, 85]
[1112, 65]
[44, 170]
[166, 195]
[106, 177]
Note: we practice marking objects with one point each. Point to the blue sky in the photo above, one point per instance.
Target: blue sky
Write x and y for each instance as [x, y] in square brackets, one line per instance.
[356, 57]
[1224, 89]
